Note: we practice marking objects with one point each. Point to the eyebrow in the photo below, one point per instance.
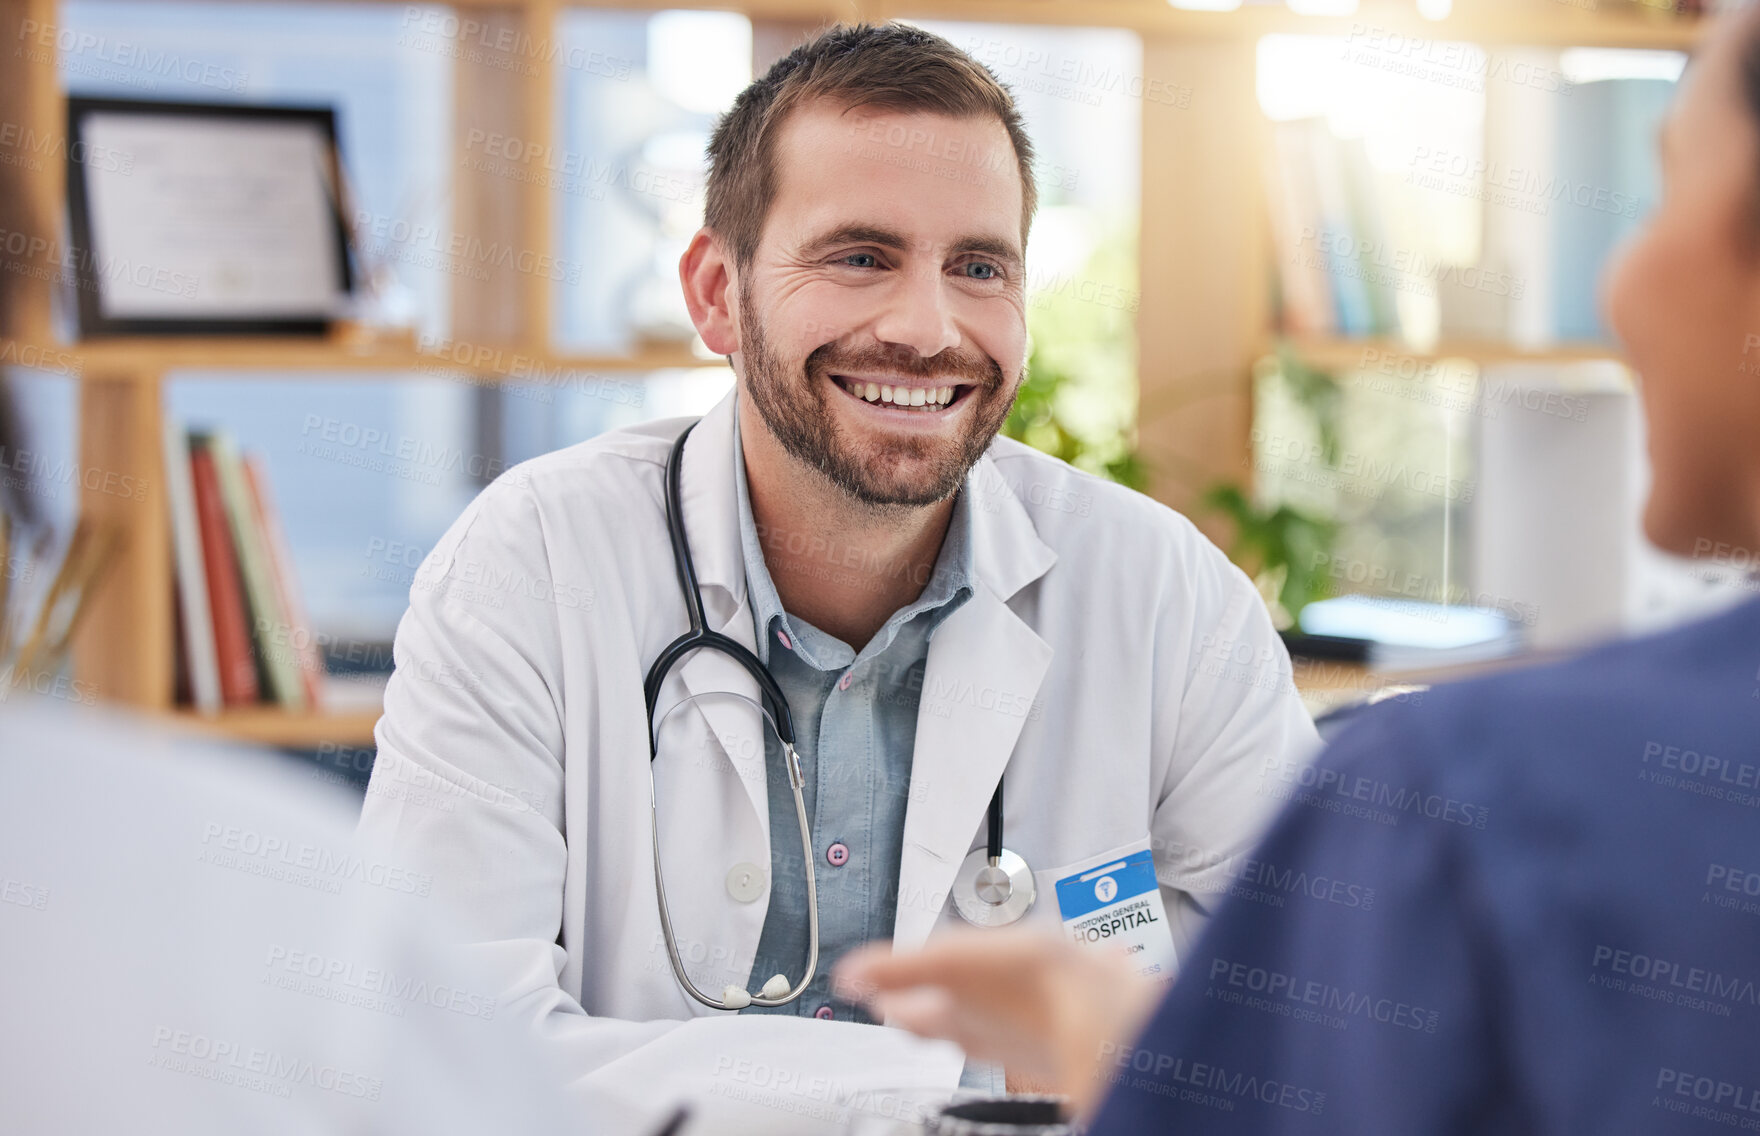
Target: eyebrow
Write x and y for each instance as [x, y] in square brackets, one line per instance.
[996, 247]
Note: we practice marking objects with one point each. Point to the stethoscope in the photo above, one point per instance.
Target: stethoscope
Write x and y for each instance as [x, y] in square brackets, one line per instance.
[994, 885]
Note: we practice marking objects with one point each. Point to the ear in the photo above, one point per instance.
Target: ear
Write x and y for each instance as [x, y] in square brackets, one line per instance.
[706, 274]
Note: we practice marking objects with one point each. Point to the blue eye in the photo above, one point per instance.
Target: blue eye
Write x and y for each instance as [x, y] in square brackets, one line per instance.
[854, 256]
[989, 269]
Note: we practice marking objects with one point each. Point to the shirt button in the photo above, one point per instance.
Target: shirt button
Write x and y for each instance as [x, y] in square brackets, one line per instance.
[782, 637]
[745, 882]
[843, 683]
[823, 1012]
[837, 854]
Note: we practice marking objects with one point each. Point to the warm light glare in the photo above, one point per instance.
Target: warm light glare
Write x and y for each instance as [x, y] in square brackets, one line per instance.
[700, 60]
[1062, 240]
[1435, 9]
[1595, 64]
[1323, 7]
[1386, 114]
[1206, 5]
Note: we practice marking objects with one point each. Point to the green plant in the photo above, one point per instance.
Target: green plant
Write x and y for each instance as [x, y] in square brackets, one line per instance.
[1037, 420]
[1284, 550]
[1319, 392]
[1287, 551]
[1079, 399]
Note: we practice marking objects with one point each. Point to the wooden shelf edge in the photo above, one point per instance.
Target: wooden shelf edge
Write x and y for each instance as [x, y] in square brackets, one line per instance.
[1561, 25]
[1567, 26]
[1557, 26]
[149, 359]
[1346, 352]
[270, 725]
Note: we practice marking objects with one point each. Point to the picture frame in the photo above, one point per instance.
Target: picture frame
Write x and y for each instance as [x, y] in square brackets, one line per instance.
[205, 218]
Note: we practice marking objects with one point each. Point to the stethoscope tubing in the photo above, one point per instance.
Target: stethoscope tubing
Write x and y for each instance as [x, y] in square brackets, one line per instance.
[797, 782]
[775, 708]
[700, 638]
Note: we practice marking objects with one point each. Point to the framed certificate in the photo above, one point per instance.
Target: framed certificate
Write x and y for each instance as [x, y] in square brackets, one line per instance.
[202, 218]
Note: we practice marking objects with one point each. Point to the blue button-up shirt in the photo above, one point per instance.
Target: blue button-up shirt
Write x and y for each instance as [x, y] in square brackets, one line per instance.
[859, 711]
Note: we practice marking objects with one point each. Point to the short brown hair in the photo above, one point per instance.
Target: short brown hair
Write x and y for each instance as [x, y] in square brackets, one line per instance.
[888, 66]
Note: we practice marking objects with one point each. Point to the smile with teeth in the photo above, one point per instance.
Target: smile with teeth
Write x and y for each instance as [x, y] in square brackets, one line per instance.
[908, 398]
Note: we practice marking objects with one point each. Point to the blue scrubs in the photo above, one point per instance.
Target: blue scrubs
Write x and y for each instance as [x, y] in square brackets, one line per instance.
[1526, 904]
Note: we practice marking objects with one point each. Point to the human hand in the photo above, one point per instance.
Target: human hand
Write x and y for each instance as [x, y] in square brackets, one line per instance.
[1020, 1083]
[1043, 1007]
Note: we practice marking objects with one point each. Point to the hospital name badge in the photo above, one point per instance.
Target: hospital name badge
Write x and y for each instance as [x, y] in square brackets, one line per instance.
[1120, 903]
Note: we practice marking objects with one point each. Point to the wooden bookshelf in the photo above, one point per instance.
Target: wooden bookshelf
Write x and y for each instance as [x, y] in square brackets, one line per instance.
[1344, 352]
[1204, 266]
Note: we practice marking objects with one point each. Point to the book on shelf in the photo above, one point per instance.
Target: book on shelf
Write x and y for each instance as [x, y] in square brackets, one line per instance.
[1569, 176]
[197, 653]
[237, 669]
[1501, 238]
[1606, 155]
[262, 608]
[300, 646]
[1305, 295]
[242, 636]
[1335, 272]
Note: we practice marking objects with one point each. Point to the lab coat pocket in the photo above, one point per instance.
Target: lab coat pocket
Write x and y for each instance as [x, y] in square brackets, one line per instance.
[1113, 900]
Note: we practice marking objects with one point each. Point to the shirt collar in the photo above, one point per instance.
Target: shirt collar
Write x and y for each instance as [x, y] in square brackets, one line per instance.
[950, 581]
[1007, 553]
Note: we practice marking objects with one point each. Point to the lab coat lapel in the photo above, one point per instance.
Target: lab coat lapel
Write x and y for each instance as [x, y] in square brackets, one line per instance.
[983, 672]
[711, 516]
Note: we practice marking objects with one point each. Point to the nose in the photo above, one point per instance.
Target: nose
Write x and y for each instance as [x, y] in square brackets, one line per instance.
[917, 315]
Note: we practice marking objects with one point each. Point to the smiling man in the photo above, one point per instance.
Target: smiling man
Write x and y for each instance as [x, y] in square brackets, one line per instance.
[975, 643]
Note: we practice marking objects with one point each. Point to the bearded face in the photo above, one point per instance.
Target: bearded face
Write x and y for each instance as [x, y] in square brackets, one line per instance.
[882, 316]
[881, 422]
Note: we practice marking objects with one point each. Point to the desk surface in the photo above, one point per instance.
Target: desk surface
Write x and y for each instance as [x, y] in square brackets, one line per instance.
[1327, 684]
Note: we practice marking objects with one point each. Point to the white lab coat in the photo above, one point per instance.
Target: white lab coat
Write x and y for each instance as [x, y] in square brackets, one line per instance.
[1111, 658]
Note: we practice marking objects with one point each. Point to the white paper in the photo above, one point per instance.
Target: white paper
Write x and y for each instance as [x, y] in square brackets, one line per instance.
[212, 218]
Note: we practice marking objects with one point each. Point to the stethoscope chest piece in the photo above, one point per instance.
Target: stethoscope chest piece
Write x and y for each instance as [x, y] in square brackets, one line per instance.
[992, 895]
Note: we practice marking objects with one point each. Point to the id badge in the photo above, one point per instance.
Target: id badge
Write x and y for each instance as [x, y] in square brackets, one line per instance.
[1119, 902]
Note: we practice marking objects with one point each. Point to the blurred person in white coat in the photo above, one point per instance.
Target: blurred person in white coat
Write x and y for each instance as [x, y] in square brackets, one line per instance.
[194, 942]
[939, 607]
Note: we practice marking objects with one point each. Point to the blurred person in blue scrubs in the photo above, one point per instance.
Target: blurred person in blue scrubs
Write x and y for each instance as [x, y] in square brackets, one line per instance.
[1547, 918]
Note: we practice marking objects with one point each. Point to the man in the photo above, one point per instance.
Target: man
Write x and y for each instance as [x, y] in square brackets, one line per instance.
[935, 604]
[1567, 940]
